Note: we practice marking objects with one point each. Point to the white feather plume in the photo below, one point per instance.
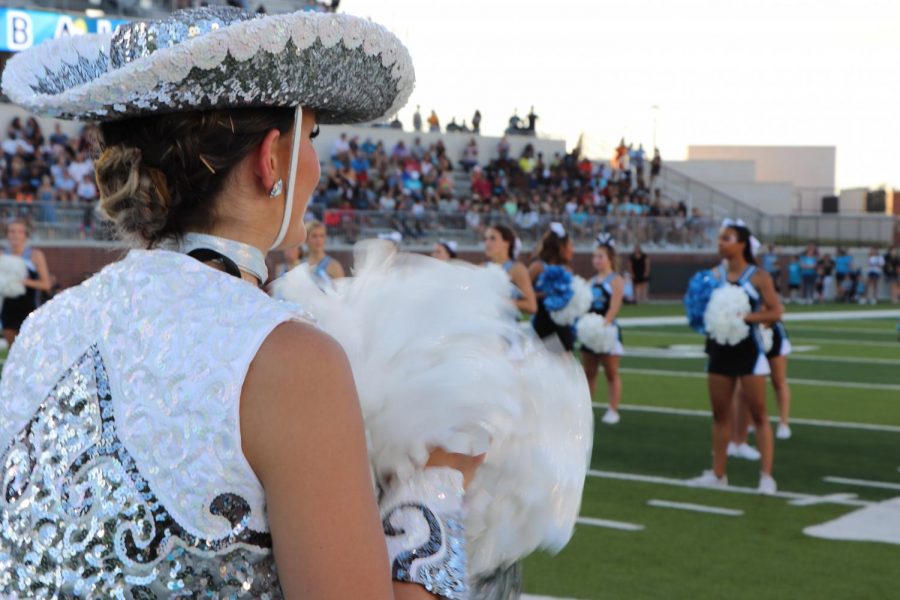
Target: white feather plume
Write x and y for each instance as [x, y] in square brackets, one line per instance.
[13, 273]
[595, 334]
[724, 317]
[578, 305]
[428, 345]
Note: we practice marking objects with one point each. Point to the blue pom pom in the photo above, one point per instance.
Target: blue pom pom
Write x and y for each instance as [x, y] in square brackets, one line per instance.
[700, 288]
[556, 284]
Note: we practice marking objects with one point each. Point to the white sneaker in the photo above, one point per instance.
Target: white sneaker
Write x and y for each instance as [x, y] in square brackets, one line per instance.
[611, 417]
[747, 452]
[783, 432]
[709, 479]
[732, 449]
[767, 485]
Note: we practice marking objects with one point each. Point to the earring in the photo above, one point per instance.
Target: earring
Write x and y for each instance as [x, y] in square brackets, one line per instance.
[276, 189]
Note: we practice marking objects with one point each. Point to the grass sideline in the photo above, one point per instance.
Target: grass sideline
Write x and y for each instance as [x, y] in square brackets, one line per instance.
[764, 552]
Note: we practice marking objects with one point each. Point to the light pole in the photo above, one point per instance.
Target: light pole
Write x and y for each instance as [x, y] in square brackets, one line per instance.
[655, 109]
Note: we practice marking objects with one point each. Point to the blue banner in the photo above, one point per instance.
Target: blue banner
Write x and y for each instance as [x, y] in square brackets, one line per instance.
[21, 29]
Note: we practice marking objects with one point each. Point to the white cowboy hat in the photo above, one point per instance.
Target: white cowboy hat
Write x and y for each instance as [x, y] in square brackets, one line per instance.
[346, 68]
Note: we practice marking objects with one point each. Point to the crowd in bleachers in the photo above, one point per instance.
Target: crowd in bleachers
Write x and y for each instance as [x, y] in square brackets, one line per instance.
[425, 188]
[415, 189]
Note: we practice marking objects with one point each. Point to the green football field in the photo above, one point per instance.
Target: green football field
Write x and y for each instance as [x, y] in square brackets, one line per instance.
[844, 456]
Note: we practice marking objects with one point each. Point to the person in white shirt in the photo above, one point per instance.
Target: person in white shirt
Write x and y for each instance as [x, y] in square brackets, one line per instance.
[874, 268]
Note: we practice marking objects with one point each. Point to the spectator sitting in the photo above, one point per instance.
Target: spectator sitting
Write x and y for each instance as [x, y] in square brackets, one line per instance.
[470, 156]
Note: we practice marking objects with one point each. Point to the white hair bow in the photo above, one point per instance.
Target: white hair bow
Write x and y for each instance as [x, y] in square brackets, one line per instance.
[755, 245]
[517, 248]
[557, 228]
[734, 223]
[451, 245]
[606, 239]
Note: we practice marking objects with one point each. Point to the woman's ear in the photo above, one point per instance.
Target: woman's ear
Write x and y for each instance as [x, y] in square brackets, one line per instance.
[266, 164]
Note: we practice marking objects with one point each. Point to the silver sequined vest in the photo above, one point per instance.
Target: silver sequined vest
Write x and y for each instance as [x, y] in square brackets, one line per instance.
[122, 469]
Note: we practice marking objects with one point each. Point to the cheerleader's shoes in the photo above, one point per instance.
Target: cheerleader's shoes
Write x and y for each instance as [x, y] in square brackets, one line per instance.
[745, 451]
[708, 479]
[767, 485]
[783, 432]
[611, 417]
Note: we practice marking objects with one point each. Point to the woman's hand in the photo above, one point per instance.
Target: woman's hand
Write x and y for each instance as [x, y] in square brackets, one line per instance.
[465, 464]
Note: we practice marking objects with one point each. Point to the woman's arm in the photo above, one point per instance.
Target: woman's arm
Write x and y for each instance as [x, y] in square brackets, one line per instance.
[335, 270]
[302, 433]
[519, 276]
[615, 303]
[772, 309]
[43, 282]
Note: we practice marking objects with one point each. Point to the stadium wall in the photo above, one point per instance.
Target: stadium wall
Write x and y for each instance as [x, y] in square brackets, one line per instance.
[72, 264]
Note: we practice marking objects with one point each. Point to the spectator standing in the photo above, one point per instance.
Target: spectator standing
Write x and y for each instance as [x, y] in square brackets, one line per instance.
[891, 271]
[826, 287]
[476, 121]
[770, 265]
[503, 148]
[874, 269]
[417, 119]
[639, 266]
[655, 167]
[843, 267]
[809, 263]
[434, 124]
[795, 278]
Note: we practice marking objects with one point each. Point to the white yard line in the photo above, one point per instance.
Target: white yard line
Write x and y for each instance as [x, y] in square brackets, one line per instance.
[884, 485]
[731, 488]
[701, 508]
[688, 412]
[530, 597]
[790, 317]
[620, 525]
[794, 381]
[695, 351]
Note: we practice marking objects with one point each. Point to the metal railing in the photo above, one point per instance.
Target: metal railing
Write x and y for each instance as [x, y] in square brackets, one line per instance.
[696, 194]
[68, 221]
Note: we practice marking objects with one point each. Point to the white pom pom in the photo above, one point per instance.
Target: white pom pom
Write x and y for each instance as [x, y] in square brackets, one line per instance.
[13, 273]
[427, 343]
[724, 317]
[596, 335]
[768, 338]
[578, 305]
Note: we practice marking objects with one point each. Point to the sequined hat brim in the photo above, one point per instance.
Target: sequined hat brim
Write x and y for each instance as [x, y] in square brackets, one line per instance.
[346, 68]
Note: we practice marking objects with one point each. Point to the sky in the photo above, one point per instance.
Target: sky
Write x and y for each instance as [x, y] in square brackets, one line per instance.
[731, 72]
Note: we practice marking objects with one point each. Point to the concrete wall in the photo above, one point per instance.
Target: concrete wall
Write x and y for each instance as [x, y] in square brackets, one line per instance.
[852, 200]
[713, 172]
[804, 166]
[454, 142]
[771, 198]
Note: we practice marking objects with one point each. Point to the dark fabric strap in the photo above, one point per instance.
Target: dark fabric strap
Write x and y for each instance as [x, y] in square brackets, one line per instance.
[208, 255]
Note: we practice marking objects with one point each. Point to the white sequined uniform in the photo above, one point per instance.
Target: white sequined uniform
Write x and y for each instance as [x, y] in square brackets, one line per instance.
[122, 468]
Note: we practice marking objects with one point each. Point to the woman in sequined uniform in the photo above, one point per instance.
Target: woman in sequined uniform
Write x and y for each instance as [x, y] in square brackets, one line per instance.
[608, 288]
[500, 249]
[554, 249]
[745, 362]
[167, 424]
[16, 310]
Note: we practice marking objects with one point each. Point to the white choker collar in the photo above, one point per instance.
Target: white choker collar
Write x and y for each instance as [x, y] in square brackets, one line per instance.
[249, 259]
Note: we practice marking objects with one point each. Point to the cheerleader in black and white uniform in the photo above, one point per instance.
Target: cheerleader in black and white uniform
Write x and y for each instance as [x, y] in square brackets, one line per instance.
[744, 362]
[555, 249]
[608, 288]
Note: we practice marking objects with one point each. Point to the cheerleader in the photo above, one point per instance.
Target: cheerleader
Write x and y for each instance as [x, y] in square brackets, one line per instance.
[444, 250]
[554, 249]
[16, 310]
[608, 288]
[324, 268]
[743, 362]
[501, 248]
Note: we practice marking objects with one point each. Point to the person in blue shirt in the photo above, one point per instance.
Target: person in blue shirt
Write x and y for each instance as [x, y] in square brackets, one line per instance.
[843, 267]
[770, 265]
[809, 262]
[794, 278]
